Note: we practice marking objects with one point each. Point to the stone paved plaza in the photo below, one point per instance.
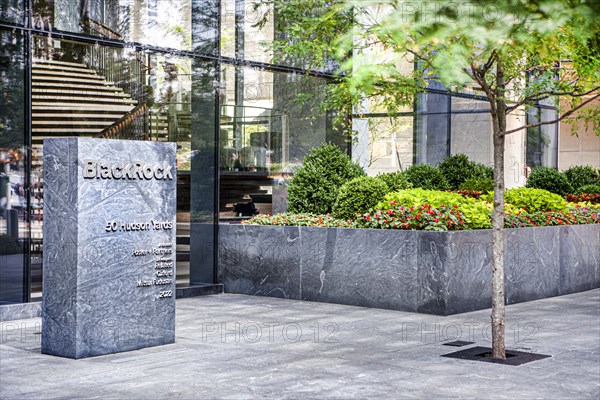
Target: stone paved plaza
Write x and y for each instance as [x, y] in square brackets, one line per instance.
[235, 346]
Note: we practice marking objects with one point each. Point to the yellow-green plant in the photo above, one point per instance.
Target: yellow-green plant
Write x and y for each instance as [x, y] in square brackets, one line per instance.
[477, 212]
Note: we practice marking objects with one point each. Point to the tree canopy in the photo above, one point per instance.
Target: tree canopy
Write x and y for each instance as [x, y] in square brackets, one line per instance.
[390, 50]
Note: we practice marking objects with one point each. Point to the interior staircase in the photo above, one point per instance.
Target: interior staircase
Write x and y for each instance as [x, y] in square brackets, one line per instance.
[71, 99]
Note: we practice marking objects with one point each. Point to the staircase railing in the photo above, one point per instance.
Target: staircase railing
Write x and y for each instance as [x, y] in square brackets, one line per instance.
[96, 28]
[125, 72]
[132, 125]
[125, 69]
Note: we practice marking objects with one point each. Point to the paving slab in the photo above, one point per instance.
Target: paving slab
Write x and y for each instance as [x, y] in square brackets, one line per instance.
[244, 347]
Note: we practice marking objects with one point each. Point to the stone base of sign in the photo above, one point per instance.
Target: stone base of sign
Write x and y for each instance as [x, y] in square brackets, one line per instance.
[205, 289]
[11, 312]
[109, 246]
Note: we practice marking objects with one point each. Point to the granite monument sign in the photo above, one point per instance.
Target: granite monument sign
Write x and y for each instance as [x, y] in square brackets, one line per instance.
[109, 246]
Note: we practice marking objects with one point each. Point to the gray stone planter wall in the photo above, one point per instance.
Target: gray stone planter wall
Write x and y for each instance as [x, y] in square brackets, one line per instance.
[431, 272]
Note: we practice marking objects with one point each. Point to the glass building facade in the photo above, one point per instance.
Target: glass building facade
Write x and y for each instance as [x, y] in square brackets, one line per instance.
[198, 73]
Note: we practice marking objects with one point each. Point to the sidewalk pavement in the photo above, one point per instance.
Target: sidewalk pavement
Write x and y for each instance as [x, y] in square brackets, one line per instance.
[244, 347]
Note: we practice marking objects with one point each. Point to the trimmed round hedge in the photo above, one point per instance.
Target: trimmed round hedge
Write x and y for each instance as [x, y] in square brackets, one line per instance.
[426, 177]
[395, 181]
[478, 185]
[580, 176]
[549, 179]
[457, 169]
[314, 187]
[358, 196]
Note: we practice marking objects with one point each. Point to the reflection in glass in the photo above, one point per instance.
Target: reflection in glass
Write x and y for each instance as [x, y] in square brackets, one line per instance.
[247, 29]
[472, 129]
[164, 23]
[14, 215]
[169, 118]
[268, 124]
[390, 144]
[542, 141]
[80, 89]
[203, 172]
[12, 11]
[432, 134]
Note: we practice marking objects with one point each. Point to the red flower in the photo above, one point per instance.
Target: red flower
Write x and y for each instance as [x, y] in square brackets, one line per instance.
[368, 218]
[436, 220]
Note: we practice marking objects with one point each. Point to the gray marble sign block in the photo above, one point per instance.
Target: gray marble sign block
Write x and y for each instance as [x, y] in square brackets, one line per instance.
[109, 246]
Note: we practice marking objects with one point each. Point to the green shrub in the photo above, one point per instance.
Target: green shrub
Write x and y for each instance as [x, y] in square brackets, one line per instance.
[549, 179]
[580, 177]
[314, 187]
[477, 213]
[531, 199]
[478, 185]
[395, 181]
[358, 196]
[289, 219]
[457, 169]
[419, 196]
[482, 171]
[426, 177]
[588, 189]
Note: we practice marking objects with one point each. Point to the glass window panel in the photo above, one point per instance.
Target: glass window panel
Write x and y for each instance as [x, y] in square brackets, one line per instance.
[550, 134]
[471, 130]
[12, 11]
[14, 214]
[248, 28]
[169, 118]
[390, 144]
[542, 141]
[472, 136]
[80, 89]
[164, 23]
[228, 28]
[269, 122]
[241, 35]
[89, 90]
[203, 173]
[432, 130]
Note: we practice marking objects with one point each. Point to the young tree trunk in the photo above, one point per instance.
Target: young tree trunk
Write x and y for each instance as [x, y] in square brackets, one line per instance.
[498, 250]
[498, 298]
